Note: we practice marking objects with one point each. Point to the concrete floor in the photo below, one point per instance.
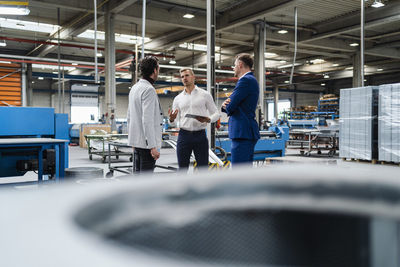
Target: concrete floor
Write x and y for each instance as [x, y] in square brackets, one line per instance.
[78, 157]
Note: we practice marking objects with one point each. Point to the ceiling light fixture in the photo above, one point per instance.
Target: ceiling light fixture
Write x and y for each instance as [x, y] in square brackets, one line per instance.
[378, 3]
[99, 54]
[326, 76]
[225, 89]
[22, 10]
[353, 44]
[40, 78]
[335, 65]
[188, 16]
[379, 69]
[282, 31]
[74, 64]
[172, 61]
[3, 43]
[322, 84]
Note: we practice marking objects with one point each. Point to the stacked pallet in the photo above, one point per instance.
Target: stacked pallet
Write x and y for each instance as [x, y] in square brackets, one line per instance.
[358, 123]
[389, 123]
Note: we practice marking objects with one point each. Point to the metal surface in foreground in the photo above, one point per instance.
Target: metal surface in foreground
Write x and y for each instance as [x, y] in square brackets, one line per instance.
[277, 216]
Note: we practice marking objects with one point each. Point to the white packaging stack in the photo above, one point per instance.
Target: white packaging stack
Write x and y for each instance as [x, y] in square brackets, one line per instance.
[358, 123]
[389, 123]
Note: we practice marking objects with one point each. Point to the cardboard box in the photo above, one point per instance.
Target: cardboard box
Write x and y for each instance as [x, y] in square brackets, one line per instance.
[86, 128]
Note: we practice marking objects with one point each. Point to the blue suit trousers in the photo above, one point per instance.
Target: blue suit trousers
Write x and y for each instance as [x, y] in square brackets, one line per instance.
[242, 151]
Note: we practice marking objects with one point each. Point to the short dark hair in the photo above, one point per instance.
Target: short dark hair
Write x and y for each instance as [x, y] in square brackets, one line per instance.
[246, 59]
[147, 66]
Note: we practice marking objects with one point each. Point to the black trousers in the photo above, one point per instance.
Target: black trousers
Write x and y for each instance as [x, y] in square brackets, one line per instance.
[143, 161]
[189, 141]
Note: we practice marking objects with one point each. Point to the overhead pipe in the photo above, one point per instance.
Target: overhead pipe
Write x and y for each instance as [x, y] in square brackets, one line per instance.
[362, 43]
[96, 73]
[295, 45]
[121, 51]
[59, 59]
[56, 64]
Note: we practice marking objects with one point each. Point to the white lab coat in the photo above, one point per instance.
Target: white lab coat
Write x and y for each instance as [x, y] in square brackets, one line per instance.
[144, 116]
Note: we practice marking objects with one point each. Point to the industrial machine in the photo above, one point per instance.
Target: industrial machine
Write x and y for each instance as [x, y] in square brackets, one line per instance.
[33, 139]
[271, 144]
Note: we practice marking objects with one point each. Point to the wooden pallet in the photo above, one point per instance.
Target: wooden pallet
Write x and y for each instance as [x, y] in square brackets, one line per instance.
[373, 161]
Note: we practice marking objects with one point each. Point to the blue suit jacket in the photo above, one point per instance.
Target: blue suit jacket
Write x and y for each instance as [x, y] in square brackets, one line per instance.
[241, 110]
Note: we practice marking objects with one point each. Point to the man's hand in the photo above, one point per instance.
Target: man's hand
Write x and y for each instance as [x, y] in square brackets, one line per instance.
[226, 102]
[172, 115]
[154, 153]
[203, 119]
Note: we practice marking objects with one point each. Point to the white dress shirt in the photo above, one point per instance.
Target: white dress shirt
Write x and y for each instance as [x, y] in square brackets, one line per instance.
[198, 102]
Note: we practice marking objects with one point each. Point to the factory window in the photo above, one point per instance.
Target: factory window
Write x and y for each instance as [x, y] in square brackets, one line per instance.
[283, 105]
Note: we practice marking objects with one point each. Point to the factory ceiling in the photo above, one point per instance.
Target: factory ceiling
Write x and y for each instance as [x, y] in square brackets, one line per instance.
[328, 36]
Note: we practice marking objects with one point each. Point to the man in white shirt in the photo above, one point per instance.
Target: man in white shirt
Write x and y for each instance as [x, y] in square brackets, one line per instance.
[193, 108]
[145, 117]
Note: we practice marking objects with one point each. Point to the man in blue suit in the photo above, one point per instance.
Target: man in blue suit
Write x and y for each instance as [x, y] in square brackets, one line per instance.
[241, 107]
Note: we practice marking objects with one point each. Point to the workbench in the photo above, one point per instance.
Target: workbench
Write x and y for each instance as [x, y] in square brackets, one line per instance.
[10, 145]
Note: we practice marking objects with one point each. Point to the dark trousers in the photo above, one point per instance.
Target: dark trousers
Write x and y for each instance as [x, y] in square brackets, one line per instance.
[143, 161]
[242, 151]
[189, 141]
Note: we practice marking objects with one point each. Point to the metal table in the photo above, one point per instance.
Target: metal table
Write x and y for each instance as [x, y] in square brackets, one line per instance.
[127, 169]
[104, 139]
[308, 140]
[39, 144]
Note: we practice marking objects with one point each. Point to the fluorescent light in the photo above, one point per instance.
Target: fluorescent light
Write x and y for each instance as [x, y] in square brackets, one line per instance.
[286, 81]
[28, 25]
[84, 84]
[197, 47]
[119, 37]
[282, 31]
[172, 61]
[349, 68]
[55, 72]
[353, 44]
[21, 10]
[49, 67]
[322, 84]
[379, 69]
[335, 65]
[326, 76]
[99, 54]
[5, 62]
[377, 3]
[289, 65]
[74, 64]
[269, 54]
[282, 61]
[225, 89]
[3, 43]
[317, 61]
[188, 16]
[40, 78]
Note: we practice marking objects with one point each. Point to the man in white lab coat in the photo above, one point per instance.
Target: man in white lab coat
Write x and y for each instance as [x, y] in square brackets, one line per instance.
[145, 117]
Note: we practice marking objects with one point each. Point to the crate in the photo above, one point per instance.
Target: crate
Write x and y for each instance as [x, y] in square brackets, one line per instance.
[85, 129]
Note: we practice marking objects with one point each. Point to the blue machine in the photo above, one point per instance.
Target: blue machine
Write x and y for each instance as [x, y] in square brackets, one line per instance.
[271, 144]
[33, 139]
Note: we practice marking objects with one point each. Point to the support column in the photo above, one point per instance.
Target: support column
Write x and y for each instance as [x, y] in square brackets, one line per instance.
[23, 84]
[276, 101]
[29, 92]
[259, 64]
[110, 91]
[211, 63]
[357, 79]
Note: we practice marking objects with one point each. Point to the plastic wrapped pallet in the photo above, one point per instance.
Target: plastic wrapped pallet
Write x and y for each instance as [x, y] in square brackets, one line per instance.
[358, 123]
[389, 123]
